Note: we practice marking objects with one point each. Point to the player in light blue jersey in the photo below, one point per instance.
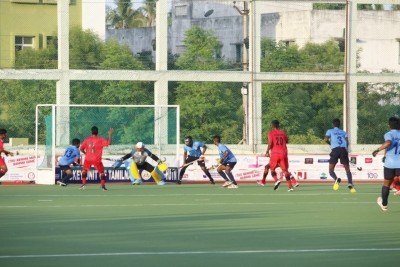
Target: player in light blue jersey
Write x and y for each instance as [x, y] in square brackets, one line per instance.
[194, 151]
[71, 157]
[391, 167]
[227, 162]
[337, 139]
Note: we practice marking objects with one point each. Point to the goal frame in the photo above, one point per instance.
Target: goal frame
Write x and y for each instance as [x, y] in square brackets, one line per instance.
[158, 127]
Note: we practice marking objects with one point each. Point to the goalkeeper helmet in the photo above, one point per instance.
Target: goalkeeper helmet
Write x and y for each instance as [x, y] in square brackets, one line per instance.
[140, 145]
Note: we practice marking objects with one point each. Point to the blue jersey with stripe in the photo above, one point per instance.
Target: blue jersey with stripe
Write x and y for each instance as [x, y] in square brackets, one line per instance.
[195, 150]
[338, 137]
[221, 151]
[392, 160]
[70, 154]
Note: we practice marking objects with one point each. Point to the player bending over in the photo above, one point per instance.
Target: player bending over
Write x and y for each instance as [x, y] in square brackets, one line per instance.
[135, 163]
[194, 151]
[71, 157]
[226, 163]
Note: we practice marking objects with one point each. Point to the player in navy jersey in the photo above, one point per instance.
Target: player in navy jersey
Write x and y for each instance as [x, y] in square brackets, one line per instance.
[338, 140]
[71, 157]
[194, 151]
[227, 162]
[391, 166]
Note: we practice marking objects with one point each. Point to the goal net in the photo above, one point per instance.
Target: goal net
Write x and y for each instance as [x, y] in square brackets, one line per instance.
[155, 125]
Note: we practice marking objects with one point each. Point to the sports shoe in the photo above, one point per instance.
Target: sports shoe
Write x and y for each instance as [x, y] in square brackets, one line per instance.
[276, 185]
[232, 186]
[296, 185]
[394, 189]
[82, 187]
[226, 184]
[104, 188]
[260, 182]
[397, 193]
[336, 184]
[178, 182]
[212, 182]
[137, 181]
[161, 183]
[61, 183]
[379, 201]
[290, 190]
[352, 189]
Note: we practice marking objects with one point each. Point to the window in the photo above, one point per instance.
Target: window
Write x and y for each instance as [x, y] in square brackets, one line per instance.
[238, 53]
[181, 11]
[23, 42]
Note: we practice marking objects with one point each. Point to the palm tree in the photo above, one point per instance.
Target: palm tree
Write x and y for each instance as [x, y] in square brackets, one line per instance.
[123, 16]
[148, 11]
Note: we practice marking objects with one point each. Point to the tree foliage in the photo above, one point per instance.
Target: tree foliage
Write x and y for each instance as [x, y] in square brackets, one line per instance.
[208, 108]
[124, 16]
[87, 51]
[293, 104]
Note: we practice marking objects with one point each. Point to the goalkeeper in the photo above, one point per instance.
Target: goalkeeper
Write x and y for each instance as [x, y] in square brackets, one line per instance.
[136, 162]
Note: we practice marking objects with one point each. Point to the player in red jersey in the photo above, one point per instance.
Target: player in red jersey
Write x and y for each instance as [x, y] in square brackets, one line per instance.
[3, 166]
[263, 181]
[277, 151]
[92, 147]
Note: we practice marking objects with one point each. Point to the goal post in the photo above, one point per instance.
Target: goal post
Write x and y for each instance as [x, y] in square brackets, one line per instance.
[158, 126]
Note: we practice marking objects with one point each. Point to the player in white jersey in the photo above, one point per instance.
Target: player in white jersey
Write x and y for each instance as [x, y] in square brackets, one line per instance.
[391, 165]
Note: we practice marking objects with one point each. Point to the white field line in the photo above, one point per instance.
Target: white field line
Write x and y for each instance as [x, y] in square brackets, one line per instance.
[181, 204]
[267, 193]
[200, 252]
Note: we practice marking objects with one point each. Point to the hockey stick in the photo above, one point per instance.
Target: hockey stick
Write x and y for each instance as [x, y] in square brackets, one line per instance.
[110, 159]
[213, 167]
[190, 163]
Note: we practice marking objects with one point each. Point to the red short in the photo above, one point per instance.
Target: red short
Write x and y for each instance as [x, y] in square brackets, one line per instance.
[2, 162]
[279, 161]
[98, 165]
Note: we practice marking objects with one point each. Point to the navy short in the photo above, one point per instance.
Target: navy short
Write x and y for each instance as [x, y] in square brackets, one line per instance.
[230, 164]
[339, 153]
[64, 167]
[389, 174]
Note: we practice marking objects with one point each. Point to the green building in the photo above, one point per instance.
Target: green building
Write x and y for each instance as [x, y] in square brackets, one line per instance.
[30, 24]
